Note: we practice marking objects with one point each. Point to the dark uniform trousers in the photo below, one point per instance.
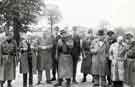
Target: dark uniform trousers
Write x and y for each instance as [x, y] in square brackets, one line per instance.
[55, 66]
[75, 61]
[25, 75]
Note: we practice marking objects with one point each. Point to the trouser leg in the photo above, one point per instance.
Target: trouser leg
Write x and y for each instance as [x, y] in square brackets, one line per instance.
[2, 83]
[48, 74]
[30, 72]
[68, 82]
[39, 75]
[55, 69]
[74, 70]
[84, 77]
[24, 79]
[109, 76]
[9, 83]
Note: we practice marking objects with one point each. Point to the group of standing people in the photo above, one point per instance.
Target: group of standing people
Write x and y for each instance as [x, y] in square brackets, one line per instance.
[110, 59]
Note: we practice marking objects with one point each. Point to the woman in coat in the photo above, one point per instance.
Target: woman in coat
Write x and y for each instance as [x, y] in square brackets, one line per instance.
[130, 61]
[8, 60]
[117, 56]
[87, 56]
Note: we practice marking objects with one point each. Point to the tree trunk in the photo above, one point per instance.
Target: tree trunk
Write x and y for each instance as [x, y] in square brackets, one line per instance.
[16, 30]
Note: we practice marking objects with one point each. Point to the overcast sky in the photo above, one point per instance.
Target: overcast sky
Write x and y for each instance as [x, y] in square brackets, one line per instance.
[91, 12]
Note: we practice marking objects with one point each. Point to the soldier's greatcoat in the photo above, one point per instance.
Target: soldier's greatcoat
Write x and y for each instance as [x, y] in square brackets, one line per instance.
[8, 60]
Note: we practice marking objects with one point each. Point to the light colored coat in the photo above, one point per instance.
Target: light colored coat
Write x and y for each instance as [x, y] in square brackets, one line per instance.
[118, 59]
[8, 62]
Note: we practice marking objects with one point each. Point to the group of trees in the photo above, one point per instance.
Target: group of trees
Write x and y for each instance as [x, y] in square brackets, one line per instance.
[20, 14]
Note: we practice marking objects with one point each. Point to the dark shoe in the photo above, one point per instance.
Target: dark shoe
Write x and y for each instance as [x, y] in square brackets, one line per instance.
[53, 79]
[38, 83]
[58, 84]
[49, 82]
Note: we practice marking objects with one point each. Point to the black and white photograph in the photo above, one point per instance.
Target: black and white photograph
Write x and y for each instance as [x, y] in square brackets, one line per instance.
[67, 43]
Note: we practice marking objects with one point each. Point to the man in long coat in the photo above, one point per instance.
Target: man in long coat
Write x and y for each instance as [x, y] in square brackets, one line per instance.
[44, 61]
[99, 68]
[117, 57]
[8, 60]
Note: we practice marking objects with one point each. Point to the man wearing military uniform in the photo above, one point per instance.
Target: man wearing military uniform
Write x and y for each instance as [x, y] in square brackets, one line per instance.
[8, 60]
